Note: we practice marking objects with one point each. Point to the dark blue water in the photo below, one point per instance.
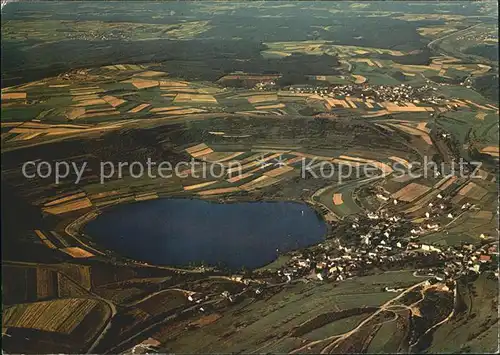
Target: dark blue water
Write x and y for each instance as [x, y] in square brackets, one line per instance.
[182, 232]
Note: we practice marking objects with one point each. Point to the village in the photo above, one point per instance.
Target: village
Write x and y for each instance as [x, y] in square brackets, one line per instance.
[374, 242]
[375, 99]
[403, 93]
[383, 241]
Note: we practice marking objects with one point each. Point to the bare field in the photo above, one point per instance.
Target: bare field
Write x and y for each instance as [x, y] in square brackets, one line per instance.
[410, 192]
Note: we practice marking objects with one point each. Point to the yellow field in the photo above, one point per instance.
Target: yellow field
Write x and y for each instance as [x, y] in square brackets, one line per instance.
[269, 107]
[369, 103]
[61, 316]
[33, 127]
[90, 102]
[173, 92]
[481, 115]
[217, 133]
[196, 148]
[184, 111]
[294, 160]
[413, 132]
[355, 161]
[401, 161]
[472, 190]
[491, 150]
[199, 186]
[410, 192]
[85, 97]
[201, 153]
[422, 202]
[423, 127]
[85, 92]
[427, 17]
[68, 206]
[14, 96]
[279, 53]
[350, 103]
[459, 102]
[150, 73]
[24, 136]
[258, 183]
[258, 167]
[170, 84]
[386, 169]
[206, 320]
[162, 109]
[139, 108]
[79, 273]
[337, 199]
[44, 283]
[65, 199]
[478, 106]
[76, 252]
[99, 114]
[221, 157]
[412, 68]
[377, 114]
[204, 98]
[347, 157]
[262, 98]
[84, 88]
[358, 79]
[146, 196]
[487, 215]
[331, 103]
[482, 174]
[44, 239]
[312, 156]
[144, 84]
[113, 101]
[433, 31]
[239, 177]
[278, 171]
[446, 183]
[124, 67]
[105, 109]
[243, 167]
[364, 60]
[409, 107]
[220, 191]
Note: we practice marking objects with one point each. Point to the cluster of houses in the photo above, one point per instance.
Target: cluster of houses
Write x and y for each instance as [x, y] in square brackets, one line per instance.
[403, 93]
[381, 241]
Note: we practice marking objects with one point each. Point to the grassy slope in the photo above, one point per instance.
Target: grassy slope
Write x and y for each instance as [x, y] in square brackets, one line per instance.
[475, 328]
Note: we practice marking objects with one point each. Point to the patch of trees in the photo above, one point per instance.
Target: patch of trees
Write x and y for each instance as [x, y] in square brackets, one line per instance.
[420, 57]
[487, 85]
[488, 51]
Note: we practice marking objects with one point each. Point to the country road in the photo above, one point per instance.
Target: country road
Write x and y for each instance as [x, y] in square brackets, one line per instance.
[346, 335]
[438, 323]
[441, 52]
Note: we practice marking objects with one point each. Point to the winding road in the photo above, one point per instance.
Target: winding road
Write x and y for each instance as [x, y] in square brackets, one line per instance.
[339, 337]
